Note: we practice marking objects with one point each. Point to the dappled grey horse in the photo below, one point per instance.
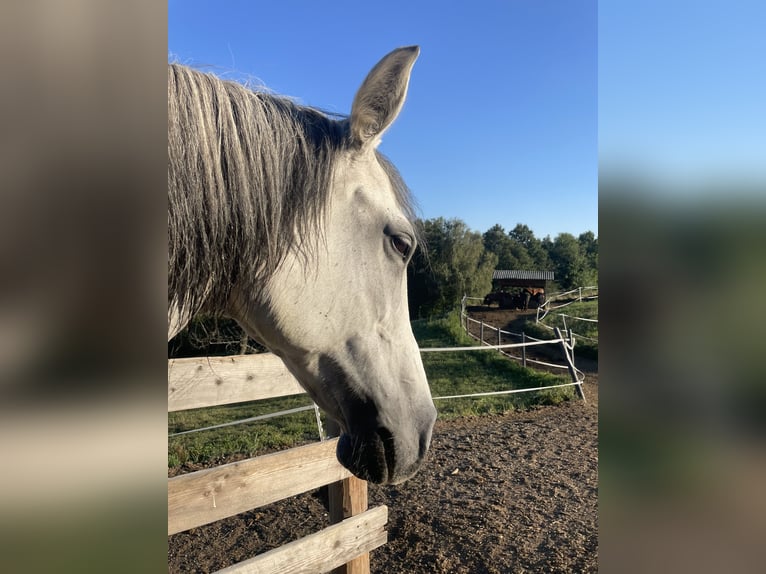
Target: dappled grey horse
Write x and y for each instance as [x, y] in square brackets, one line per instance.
[291, 222]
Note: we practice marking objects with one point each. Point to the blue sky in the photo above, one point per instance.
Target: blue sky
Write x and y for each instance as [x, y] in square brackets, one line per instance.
[500, 124]
[682, 91]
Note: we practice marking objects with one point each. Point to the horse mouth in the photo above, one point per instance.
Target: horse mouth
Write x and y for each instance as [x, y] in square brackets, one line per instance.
[367, 445]
[369, 455]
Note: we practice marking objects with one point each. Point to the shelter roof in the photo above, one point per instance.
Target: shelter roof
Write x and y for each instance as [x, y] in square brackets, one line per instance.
[522, 274]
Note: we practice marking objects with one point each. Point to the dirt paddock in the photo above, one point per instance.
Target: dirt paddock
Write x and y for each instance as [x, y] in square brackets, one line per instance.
[498, 494]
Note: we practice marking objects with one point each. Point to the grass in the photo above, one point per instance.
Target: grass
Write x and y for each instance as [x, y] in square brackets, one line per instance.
[248, 439]
[448, 374]
[477, 372]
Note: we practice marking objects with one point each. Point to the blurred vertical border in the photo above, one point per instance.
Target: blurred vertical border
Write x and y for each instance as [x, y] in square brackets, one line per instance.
[82, 254]
[83, 286]
[682, 219]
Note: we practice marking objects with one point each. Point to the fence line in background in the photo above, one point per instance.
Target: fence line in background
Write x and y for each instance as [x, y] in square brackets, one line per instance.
[578, 318]
[251, 420]
[578, 290]
[569, 330]
[507, 392]
[567, 345]
[524, 359]
[546, 307]
[488, 347]
[522, 336]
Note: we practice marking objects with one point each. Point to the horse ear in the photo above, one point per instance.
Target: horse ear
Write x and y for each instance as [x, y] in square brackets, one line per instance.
[381, 97]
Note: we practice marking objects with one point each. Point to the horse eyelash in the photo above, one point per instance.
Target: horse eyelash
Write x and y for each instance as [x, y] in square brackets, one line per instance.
[397, 242]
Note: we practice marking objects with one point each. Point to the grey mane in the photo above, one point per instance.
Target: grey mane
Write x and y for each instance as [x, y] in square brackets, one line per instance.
[248, 179]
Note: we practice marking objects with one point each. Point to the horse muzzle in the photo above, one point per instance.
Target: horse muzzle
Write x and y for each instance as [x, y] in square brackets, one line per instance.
[385, 430]
[380, 457]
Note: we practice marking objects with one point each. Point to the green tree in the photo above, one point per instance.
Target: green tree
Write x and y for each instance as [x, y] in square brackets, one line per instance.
[453, 263]
[569, 262]
[517, 249]
[523, 234]
[589, 247]
[520, 256]
[536, 254]
[498, 242]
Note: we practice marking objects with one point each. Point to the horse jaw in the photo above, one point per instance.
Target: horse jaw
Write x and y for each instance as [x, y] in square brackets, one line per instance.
[370, 382]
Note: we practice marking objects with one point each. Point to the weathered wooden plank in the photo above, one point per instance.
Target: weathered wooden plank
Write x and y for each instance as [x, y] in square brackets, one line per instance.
[349, 498]
[210, 381]
[323, 551]
[208, 495]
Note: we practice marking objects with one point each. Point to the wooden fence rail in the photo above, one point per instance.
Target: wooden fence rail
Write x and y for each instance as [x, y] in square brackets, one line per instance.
[323, 551]
[212, 381]
[201, 497]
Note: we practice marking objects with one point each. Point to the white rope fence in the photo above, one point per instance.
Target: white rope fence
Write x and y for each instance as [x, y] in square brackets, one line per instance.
[578, 290]
[501, 332]
[567, 345]
[524, 359]
[546, 308]
[511, 391]
[488, 347]
[248, 420]
[567, 329]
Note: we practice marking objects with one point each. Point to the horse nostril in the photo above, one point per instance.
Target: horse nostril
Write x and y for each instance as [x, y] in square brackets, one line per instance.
[389, 449]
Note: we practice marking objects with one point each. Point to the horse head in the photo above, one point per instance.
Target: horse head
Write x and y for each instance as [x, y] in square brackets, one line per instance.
[337, 314]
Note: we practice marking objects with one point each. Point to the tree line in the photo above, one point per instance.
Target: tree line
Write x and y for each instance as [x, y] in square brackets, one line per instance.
[456, 260]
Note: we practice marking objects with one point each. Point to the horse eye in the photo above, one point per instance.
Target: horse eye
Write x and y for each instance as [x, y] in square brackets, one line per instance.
[401, 245]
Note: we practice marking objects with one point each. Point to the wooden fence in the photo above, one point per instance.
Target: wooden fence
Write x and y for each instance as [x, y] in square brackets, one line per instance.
[208, 495]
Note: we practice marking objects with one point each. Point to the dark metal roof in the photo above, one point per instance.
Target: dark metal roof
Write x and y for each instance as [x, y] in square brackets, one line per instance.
[520, 274]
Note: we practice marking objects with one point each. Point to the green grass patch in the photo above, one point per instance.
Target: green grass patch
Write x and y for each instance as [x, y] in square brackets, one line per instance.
[448, 374]
[248, 439]
[587, 330]
[470, 372]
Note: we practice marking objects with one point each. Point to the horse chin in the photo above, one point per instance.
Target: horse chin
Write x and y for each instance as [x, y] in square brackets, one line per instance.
[365, 455]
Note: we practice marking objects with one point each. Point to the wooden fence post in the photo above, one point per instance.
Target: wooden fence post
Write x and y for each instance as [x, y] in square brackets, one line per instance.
[348, 498]
[570, 360]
